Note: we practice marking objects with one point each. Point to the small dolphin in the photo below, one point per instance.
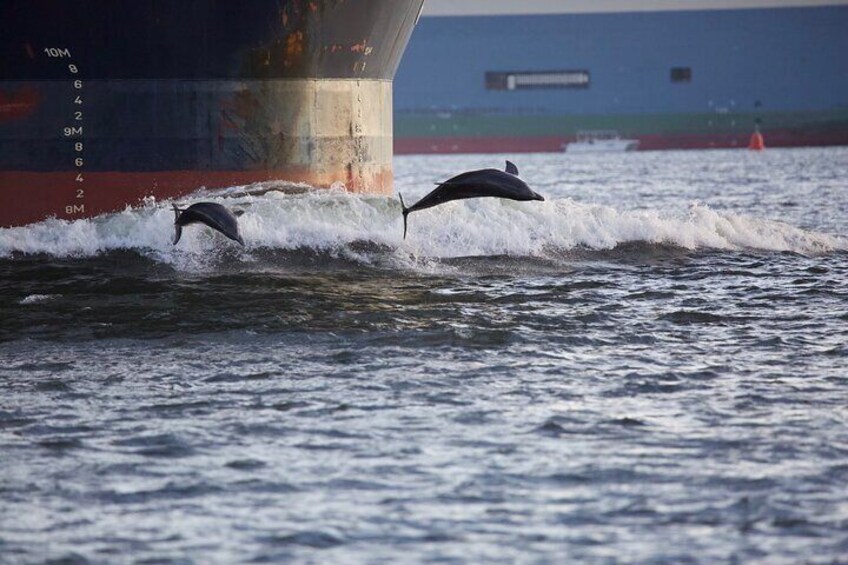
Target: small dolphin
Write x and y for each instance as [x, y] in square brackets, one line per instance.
[475, 184]
[213, 215]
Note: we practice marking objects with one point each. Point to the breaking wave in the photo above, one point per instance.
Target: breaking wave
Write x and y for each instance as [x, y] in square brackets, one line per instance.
[334, 221]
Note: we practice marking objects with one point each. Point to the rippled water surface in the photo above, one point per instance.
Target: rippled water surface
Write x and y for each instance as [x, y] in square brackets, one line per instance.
[650, 366]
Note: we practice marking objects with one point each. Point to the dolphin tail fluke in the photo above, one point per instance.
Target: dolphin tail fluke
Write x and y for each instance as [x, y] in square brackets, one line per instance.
[178, 229]
[239, 214]
[405, 213]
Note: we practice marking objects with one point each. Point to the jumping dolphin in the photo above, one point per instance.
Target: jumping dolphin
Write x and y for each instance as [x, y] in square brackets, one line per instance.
[475, 184]
[213, 215]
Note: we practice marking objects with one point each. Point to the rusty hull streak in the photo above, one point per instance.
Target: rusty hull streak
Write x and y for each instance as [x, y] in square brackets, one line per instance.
[339, 129]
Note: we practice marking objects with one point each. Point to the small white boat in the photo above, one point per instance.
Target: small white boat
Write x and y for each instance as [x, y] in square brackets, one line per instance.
[600, 141]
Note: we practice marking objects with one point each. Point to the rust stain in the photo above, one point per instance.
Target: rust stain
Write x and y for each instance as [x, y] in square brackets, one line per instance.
[290, 49]
[18, 104]
[362, 48]
[294, 48]
[296, 43]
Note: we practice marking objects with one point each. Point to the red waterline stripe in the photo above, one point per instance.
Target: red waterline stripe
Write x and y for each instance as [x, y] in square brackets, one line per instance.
[27, 196]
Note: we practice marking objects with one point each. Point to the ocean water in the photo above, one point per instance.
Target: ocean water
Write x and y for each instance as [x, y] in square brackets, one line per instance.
[651, 366]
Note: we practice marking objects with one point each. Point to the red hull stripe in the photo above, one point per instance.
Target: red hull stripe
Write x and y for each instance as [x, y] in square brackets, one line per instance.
[27, 196]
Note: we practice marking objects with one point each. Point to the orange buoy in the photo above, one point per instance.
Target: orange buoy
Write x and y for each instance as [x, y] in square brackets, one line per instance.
[757, 142]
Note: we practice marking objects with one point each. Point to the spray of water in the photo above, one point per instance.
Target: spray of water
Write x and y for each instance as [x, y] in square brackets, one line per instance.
[325, 221]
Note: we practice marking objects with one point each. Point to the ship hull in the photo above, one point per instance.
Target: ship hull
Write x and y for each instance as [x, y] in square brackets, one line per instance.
[508, 78]
[106, 105]
[528, 134]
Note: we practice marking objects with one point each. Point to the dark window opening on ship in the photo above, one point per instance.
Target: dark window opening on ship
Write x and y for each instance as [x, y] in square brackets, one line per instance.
[681, 74]
[537, 79]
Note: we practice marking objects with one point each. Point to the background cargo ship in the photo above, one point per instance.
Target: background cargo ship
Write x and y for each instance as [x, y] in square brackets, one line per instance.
[500, 76]
[105, 103]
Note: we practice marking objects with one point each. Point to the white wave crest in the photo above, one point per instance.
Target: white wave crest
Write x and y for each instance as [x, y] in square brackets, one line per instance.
[38, 298]
[328, 220]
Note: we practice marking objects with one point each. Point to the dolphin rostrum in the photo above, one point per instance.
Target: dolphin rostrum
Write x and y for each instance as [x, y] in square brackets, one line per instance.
[475, 184]
[213, 215]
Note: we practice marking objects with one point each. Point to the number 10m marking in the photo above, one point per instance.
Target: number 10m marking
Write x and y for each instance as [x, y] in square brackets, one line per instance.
[57, 52]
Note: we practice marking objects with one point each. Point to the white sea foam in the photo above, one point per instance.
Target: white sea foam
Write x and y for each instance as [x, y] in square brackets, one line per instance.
[38, 298]
[330, 220]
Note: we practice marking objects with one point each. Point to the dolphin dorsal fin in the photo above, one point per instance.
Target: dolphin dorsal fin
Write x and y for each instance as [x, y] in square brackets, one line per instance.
[511, 168]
